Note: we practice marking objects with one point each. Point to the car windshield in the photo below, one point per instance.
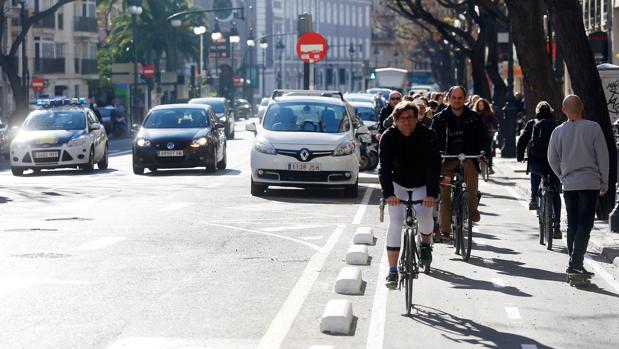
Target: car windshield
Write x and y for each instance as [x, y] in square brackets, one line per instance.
[56, 120]
[367, 114]
[306, 117]
[264, 102]
[177, 118]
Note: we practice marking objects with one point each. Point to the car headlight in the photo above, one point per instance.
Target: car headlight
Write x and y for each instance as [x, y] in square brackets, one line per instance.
[263, 146]
[141, 142]
[199, 142]
[75, 142]
[344, 148]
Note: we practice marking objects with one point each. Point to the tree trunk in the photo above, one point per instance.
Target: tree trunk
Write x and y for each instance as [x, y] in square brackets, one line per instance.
[478, 65]
[586, 82]
[492, 65]
[20, 94]
[527, 30]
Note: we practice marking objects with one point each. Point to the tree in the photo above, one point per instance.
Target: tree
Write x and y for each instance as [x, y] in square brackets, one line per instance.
[8, 60]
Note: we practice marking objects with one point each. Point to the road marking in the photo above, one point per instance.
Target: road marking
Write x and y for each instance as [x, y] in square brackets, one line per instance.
[294, 227]
[315, 247]
[310, 238]
[376, 331]
[101, 243]
[175, 206]
[513, 313]
[282, 322]
[528, 346]
[120, 152]
[363, 205]
[498, 282]
[599, 271]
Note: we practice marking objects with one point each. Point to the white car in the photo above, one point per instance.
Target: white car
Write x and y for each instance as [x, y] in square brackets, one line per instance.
[57, 136]
[306, 141]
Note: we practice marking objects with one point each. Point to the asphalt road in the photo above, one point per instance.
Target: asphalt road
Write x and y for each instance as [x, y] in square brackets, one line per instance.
[186, 259]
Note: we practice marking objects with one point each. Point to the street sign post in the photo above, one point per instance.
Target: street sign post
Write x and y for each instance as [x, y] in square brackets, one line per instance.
[312, 48]
[38, 84]
[148, 72]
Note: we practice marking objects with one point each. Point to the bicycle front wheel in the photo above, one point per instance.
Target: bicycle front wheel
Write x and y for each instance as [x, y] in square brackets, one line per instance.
[548, 220]
[485, 174]
[466, 229]
[540, 218]
[408, 262]
[456, 225]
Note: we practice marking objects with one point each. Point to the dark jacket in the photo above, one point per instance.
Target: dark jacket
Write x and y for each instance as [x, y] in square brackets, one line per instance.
[412, 161]
[466, 133]
[384, 114]
[548, 125]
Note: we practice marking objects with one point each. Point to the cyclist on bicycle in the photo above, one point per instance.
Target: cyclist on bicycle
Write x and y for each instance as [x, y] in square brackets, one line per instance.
[459, 130]
[409, 161]
[536, 137]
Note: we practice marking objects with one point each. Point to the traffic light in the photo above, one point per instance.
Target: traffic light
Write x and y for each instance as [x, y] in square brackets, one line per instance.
[372, 74]
[304, 24]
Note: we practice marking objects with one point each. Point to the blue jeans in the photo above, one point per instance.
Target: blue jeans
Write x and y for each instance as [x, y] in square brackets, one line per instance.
[536, 179]
[580, 207]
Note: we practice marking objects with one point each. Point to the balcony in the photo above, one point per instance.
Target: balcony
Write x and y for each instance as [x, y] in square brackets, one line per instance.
[47, 22]
[85, 24]
[89, 66]
[49, 65]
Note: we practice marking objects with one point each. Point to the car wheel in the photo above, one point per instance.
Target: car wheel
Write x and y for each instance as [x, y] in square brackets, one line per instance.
[17, 171]
[90, 165]
[138, 170]
[211, 164]
[102, 165]
[352, 191]
[257, 189]
[221, 165]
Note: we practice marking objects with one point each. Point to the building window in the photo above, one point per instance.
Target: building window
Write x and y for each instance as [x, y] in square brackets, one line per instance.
[89, 8]
[277, 4]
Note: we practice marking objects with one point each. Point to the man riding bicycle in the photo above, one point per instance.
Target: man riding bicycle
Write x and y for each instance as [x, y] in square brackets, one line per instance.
[409, 161]
[459, 130]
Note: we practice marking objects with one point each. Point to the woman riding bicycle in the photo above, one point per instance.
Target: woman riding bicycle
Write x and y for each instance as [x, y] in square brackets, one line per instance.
[409, 161]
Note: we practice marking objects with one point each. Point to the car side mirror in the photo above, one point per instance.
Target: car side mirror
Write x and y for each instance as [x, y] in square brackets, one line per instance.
[219, 125]
[94, 127]
[251, 127]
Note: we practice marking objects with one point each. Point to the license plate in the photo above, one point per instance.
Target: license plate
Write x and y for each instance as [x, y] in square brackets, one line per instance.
[303, 167]
[45, 154]
[168, 153]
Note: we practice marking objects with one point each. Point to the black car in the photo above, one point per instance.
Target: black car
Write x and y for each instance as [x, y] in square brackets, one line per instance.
[243, 109]
[221, 109]
[180, 136]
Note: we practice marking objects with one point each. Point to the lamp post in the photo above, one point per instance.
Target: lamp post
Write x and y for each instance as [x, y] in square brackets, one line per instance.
[199, 31]
[234, 39]
[510, 109]
[135, 11]
[280, 50]
[264, 44]
[176, 23]
[251, 42]
[351, 52]
[376, 54]
[215, 37]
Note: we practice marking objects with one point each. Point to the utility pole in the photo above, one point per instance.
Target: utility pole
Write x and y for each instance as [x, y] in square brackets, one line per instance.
[304, 25]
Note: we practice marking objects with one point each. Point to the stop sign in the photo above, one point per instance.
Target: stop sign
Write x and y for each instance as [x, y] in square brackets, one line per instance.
[37, 84]
[148, 71]
[312, 47]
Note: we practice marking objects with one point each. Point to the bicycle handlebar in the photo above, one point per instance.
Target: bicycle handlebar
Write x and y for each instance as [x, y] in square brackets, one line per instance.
[463, 156]
[381, 206]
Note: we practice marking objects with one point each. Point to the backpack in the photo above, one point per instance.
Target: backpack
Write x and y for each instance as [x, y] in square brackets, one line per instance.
[540, 137]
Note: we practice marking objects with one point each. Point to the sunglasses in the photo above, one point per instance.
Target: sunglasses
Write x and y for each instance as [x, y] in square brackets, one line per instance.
[395, 98]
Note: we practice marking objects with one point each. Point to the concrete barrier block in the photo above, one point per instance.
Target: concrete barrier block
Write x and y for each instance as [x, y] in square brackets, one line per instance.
[363, 235]
[357, 255]
[349, 281]
[337, 318]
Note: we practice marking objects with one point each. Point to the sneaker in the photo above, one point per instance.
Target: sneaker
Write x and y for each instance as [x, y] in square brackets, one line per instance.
[582, 270]
[446, 236]
[490, 170]
[557, 234]
[392, 281]
[533, 205]
[475, 216]
[436, 235]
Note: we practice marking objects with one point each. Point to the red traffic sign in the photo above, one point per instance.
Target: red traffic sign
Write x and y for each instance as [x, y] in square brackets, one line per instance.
[148, 71]
[312, 47]
[38, 84]
[237, 80]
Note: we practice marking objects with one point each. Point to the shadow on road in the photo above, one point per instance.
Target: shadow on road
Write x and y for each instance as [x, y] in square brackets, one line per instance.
[4, 200]
[316, 195]
[192, 172]
[471, 332]
[490, 248]
[463, 282]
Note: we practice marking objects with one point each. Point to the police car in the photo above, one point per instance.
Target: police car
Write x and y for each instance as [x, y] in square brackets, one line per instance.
[61, 133]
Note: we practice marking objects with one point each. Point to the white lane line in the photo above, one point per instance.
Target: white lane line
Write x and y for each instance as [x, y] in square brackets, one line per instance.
[282, 322]
[310, 238]
[512, 313]
[312, 246]
[376, 331]
[363, 205]
[294, 227]
[120, 152]
[599, 271]
[528, 346]
[175, 206]
[498, 282]
[101, 243]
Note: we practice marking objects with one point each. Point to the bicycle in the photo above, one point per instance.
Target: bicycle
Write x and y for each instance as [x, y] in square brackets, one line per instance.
[461, 212]
[546, 212]
[484, 168]
[408, 267]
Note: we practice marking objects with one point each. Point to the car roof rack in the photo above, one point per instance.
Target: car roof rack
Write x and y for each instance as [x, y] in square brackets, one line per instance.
[317, 93]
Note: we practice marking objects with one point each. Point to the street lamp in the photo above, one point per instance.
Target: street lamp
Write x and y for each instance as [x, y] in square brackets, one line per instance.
[200, 30]
[264, 44]
[234, 39]
[251, 42]
[280, 50]
[216, 35]
[134, 11]
[351, 52]
[176, 23]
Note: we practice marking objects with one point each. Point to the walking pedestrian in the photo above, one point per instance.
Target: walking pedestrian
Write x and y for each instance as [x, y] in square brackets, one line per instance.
[394, 98]
[578, 154]
[484, 109]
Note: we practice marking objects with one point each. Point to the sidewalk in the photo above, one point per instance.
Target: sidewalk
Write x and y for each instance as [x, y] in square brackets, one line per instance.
[602, 241]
